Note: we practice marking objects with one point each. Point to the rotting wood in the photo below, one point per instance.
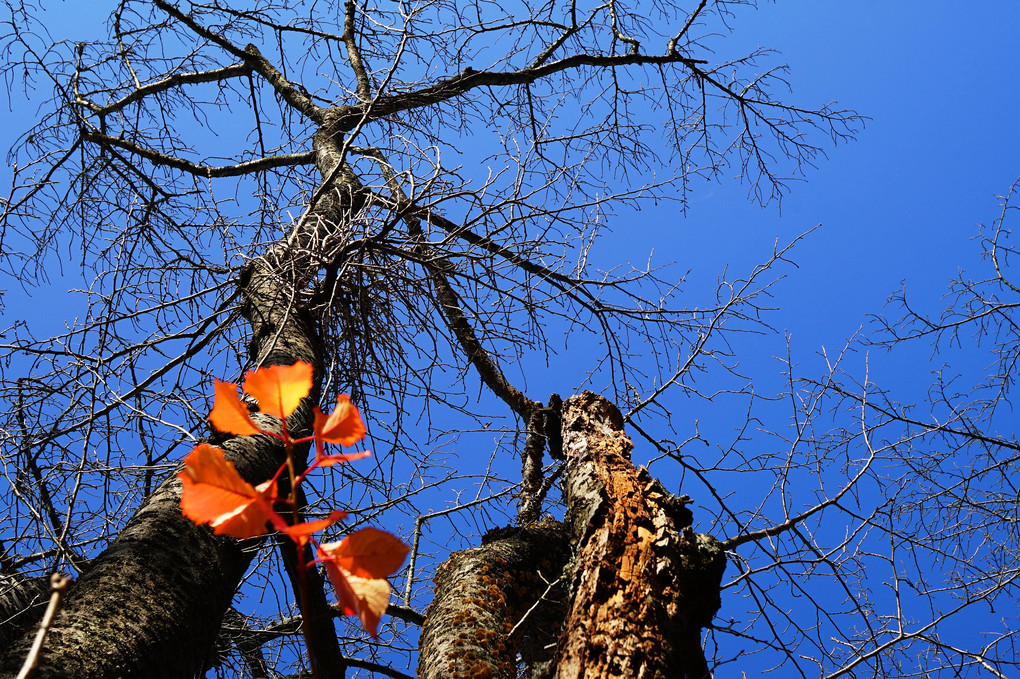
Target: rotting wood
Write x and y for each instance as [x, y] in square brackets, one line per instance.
[644, 583]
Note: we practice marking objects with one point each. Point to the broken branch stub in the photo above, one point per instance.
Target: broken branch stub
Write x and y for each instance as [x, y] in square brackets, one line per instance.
[644, 583]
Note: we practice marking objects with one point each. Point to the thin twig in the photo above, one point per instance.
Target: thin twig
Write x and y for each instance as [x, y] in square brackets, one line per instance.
[58, 586]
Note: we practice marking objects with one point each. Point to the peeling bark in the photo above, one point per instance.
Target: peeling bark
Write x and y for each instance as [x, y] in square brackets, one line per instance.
[644, 584]
[474, 628]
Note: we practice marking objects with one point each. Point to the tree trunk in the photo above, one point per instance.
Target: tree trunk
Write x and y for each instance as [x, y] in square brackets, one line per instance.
[642, 584]
[152, 603]
[22, 602]
[472, 629]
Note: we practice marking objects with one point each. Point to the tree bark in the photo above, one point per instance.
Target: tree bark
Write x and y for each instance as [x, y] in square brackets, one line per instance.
[644, 584]
[152, 603]
[641, 585]
[22, 602]
[482, 594]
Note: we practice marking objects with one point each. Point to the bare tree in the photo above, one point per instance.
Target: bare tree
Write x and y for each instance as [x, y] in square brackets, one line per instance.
[952, 461]
[408, 196]
[922, 578]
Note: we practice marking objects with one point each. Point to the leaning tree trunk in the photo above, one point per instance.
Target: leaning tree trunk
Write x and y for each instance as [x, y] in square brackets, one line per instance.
[152, 603]
[631, 603]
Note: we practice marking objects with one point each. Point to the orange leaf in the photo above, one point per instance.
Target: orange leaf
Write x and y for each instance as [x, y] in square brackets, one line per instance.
[300, 531]
[327, 460]
[279, 388]
[229, 414]
[215, 493]
[368, 553]
[366, 598]
[343, 426]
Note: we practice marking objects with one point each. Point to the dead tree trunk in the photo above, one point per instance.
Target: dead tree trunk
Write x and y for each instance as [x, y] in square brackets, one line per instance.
[644, 583]
[639, 590]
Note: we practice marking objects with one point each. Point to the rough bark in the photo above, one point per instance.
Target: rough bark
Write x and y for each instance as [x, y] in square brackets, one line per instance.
[644, 584]
[22, 602]
[152, 603]
[474, 628]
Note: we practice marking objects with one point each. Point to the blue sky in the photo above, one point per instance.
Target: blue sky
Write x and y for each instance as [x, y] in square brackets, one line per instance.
[901, 203]
[898, 206]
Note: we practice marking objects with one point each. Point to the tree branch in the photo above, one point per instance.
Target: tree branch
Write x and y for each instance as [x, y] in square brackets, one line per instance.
[175, 80]
[204, 171]
[469, 79]
[251, 55]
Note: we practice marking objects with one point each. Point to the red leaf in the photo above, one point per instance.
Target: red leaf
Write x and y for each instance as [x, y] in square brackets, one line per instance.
[358, 566]
[366, 598]
[214, 493]
[299, 532]
[327, 460]
[279, 388]
[368, 553]
[229, 414]
[343, 426]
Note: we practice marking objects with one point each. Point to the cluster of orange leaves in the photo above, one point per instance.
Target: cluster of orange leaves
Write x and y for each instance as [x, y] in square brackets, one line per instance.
[214, 493]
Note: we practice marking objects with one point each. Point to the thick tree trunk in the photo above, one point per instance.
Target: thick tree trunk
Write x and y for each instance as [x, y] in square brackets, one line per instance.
[152, 603]
[22, 602]
[474, 629]
[641, 585]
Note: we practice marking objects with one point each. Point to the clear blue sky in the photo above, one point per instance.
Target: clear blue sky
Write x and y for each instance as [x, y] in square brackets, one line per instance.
[938, 81]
